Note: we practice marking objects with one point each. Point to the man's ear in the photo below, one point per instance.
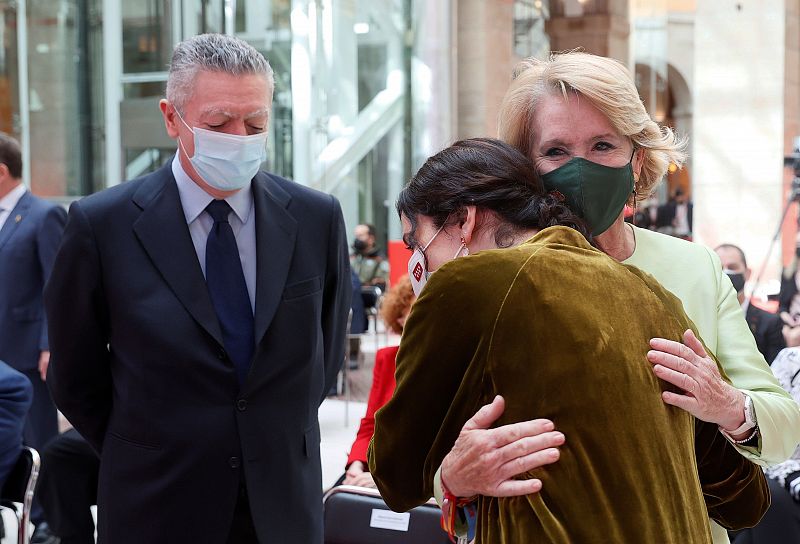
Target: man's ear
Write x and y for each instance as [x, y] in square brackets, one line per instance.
[170, 118]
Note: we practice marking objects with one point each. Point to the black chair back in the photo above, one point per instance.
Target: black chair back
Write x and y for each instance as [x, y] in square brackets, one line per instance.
[357, 515]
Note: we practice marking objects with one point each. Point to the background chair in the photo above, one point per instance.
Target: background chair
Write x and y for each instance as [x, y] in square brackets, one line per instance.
[17, 492]
[358, 515]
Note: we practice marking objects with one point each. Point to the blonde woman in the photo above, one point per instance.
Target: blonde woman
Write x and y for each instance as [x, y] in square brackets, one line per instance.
[580, 119]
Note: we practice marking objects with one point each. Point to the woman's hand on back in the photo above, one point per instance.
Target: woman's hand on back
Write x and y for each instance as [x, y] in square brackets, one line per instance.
[707, 396]
[485, 461]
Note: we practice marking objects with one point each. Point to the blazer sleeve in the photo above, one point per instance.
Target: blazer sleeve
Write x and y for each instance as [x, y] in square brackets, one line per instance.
[16, 394]
[79, 375]
[379, 394]
[336, 297]
[735, 489]
[48, 239]
[778, 415]
[439, 385]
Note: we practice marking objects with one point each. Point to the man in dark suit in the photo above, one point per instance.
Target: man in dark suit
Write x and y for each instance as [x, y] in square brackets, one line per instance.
[30, 231]
[766, 326]
[197, 319]
[16, 395]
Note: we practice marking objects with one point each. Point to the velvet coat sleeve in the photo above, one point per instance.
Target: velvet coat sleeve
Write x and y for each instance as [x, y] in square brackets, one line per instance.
[443, 337]
[379, 394]
[79, 375]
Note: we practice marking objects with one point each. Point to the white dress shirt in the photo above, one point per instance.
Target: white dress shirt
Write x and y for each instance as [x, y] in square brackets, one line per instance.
[243, 223]
[9, 202]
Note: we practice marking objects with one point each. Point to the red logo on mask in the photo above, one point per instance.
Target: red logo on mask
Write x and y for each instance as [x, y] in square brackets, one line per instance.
[417, 272]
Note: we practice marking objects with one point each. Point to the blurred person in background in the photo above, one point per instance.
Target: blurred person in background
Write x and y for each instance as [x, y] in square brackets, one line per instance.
[367, 259]
[30, 232]
[16, 395]
[581, 121]
[781, 523]
[394, 311]
[765, 326]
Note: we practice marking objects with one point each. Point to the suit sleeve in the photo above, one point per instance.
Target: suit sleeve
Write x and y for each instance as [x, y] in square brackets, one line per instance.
[16, 394]
[778, 415]
[734, 488]
[47, 240]
[336, 297]
[79, 375]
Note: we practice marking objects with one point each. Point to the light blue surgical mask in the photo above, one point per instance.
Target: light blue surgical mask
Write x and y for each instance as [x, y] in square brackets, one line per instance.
[226, 162]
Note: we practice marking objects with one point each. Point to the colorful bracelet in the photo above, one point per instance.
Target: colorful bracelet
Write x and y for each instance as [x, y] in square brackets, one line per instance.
[456, 514]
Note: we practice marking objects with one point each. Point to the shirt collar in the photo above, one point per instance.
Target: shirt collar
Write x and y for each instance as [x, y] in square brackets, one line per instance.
[10, 201]
[194, 199]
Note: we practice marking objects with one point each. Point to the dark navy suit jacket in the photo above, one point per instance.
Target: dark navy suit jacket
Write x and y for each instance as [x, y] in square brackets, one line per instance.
[138, 364]
[16, 394]
[28, 243]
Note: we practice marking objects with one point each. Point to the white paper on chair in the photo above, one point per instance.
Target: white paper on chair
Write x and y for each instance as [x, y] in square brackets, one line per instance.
[386, 519]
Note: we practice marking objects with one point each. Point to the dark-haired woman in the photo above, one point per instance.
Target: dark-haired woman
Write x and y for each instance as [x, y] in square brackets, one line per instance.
[562, 330]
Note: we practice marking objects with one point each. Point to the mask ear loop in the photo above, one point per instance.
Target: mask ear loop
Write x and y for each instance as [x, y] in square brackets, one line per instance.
[635, 183]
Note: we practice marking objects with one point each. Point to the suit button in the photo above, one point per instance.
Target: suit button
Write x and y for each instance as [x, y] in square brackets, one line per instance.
[241, 405]
[221, 355]
[233, 462]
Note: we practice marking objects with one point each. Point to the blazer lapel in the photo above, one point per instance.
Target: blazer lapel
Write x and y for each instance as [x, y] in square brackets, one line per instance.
[276, 231]
[16, 216]
[164, 234]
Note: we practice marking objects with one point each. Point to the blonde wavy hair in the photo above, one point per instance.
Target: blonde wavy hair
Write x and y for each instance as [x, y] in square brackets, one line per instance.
[608, 85]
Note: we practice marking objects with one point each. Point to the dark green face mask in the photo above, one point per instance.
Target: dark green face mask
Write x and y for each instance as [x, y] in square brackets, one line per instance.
[595, 192]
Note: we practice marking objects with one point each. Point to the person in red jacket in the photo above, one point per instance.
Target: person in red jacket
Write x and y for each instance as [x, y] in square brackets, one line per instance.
[394, 311]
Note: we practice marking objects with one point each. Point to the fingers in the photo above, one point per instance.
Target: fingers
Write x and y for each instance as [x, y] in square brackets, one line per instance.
[515, 432]
[671, 347]
[515, 488]
[674, 362]
[679, 379]
[523, 447]
[694, 343]
[683, 402]
[532, 461]
[487, 415]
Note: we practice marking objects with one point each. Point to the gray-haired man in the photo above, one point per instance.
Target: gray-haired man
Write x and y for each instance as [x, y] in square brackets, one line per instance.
[197, 318]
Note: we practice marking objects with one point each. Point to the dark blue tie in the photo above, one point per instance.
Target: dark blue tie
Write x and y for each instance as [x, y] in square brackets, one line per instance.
[228, 289]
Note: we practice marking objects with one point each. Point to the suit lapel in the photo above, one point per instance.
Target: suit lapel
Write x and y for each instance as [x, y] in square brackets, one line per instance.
[164, 234]
[19, 211]
[276, 231]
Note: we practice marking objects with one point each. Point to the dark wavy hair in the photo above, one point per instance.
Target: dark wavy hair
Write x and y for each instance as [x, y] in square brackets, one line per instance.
[489, 174]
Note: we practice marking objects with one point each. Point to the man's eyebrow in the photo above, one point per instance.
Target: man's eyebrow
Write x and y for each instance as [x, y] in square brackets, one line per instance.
[226, 113]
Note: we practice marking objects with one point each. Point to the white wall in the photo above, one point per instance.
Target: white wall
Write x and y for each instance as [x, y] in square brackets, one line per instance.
[739, 124]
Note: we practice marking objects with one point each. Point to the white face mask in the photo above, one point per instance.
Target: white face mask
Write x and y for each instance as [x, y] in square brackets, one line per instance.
[418, 270]
[226, 161]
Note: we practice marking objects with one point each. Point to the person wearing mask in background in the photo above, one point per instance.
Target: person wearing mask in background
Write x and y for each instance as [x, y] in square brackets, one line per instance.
[394, 311]
[367, 260]
[30, 231]
[197, 319]
[765, 326]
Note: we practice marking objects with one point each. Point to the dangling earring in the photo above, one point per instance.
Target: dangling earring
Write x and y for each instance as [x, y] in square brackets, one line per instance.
[464, 243]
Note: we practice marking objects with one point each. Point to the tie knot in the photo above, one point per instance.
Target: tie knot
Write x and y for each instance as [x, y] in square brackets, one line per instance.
[219, 211]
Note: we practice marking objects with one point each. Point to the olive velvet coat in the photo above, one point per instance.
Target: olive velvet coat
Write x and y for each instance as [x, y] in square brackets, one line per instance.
[561, 330]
